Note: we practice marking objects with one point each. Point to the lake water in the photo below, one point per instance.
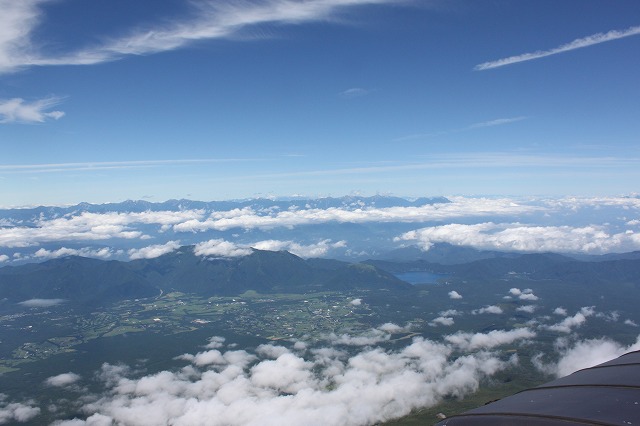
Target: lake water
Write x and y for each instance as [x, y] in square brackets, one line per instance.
[419, 277]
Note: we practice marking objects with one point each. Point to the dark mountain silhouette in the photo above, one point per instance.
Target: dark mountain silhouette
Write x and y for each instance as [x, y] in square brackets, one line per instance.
[74, 278]
[92, 281]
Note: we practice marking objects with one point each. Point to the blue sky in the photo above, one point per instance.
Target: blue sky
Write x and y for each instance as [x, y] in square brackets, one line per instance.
[112, 99]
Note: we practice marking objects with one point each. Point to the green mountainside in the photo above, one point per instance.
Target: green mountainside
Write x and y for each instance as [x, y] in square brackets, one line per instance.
[94, 281]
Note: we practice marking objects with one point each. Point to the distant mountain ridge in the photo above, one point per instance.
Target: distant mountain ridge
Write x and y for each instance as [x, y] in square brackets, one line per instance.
[138, 206]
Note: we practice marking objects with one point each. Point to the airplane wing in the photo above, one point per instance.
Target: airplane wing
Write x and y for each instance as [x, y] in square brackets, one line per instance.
[607, 394]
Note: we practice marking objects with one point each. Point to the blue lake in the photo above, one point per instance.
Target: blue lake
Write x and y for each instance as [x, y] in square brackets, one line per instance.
[419, 277]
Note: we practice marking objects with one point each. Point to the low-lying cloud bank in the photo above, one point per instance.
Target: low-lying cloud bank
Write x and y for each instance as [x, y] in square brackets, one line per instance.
[572, 225]
[275, 385]
[596, 239]
[12, 412]
[582, 354]
[41, 303]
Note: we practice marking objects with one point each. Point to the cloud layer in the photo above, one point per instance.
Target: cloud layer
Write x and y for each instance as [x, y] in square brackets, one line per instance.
[276, 385]
[526, 238]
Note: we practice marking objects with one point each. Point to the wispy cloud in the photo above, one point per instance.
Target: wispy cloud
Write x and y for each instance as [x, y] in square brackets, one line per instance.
[354, 92]
[17, 20]
[212, 20]
[575, 44]
[18, 110]
[109, 165]
[496, 122]
[487, 160]
[490, 123]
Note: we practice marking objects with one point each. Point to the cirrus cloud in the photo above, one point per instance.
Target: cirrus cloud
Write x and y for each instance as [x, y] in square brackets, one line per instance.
[18, 110]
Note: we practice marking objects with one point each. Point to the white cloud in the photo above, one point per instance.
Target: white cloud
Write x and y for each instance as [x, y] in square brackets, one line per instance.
[103, 253]
[62, 380]
[575, 44]
[41, 303]
[527, 238]
[630, 322]
[371, 337]
[209, 20]
[18, 110]
[566, 325]
[441, 321]
[354, 92]
[356, 302]
[497, 122]
[221, 248]
[492, 309]
[3, 258]
[318, 249]
[560, 311]
[85, 226]
[492, 339]
[276, 386]
[527, 308]
[528, 296]
[11, 412]
[583, 354]
[248, 218]
[153, 251]
[16, 22]
[454, 295]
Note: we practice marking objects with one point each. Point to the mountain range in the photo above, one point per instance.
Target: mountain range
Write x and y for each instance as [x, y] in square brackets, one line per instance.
[94, 282]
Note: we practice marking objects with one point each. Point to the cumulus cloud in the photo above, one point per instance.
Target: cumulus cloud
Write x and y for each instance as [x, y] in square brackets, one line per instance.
[41, 303]
[567, 324]
[3, 258]
[526, 238]
[471, 341]
[277, 386]
[527, 308]
[221, 248]
[11, 412]
[318, 249]
[583, 354]
[376, 335]
[454, 295]
[18, 110]
[248, 218]
[441, 321]
[526, 294]
[103, 253]
[560, 311]
[86, 226]
[630, 322]
[491, 309]
[356, 302]
[62, 380]
[153, 251]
